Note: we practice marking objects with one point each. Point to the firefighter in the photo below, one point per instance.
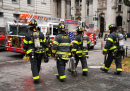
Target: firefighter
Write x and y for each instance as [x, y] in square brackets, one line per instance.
[111, 48]
[49, 43]
[33, 46]
[62, 51]
[79, 51]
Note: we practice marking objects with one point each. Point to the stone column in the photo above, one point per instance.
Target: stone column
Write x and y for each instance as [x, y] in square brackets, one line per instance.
[124, 22]
[90, 12]
[95, 12]
[83, 13]
[109, 13]
[73, 5]
[68, 15]
[62, 9]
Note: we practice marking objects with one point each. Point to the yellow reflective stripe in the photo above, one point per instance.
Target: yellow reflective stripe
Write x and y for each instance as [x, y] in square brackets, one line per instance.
[24, 50]
[65, 58]
[77, 42]
[44, 40]
[79, 51]
[55, 42]
[73, 49]
[36, 77]
[49, 54]
[106, 68]
[110, 39]
[86, 55]
[119, 69]
[28, 51]
[62, 77]
[41, 40]
[50, 40]
[80, 56]
[88, 42]
[104, 49]
[59, 52]
[47, 49]
[53, 51]
[30, 42]
[114, 42]
[65, 44]
[39, 51]
[85, 69]
[26, 42]
[114, 47]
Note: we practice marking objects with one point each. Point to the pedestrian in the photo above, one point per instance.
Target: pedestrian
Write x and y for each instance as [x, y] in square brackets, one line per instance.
[105, 37]
[33, 46]
[61, 51]
[79, 51]
[113, 50]
[125, 36]
[49, 43]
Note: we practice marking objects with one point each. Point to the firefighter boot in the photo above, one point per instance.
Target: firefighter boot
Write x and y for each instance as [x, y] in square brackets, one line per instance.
[102, 69]
[85, 73]
[36, 81]
[118, 73]
[57, 76]
[69, 69]
[63, 80]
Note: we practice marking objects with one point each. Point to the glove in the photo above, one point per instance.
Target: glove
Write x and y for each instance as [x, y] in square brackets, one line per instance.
[26, 57]
[104, 53]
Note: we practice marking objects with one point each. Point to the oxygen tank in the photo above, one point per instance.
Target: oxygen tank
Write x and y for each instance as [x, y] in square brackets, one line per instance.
[85, 41]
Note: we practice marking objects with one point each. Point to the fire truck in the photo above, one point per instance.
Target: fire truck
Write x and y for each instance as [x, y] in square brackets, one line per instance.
[71, 25]
[17, 30]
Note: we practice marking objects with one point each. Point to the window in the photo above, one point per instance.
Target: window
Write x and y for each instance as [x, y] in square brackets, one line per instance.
[16, 15]
[1, 14]
[120, 1]
[29, 2]
[55, 29]
[119, 7]
[23, 30]
[14, 0]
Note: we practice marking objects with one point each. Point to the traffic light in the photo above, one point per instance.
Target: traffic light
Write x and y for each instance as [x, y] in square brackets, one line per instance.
[128, 20]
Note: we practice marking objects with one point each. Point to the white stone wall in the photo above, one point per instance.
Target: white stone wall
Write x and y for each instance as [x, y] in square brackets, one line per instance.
[37, 7]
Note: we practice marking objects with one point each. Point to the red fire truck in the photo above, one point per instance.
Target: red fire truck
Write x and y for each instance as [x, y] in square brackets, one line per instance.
[17, 30]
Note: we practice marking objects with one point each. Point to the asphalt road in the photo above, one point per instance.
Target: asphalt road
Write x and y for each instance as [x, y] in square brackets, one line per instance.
[16, 75]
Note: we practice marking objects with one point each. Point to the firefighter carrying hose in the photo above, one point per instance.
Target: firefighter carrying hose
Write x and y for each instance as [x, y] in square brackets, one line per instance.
[34, 43]
[80, 50]
[62, 51]
[114, 49]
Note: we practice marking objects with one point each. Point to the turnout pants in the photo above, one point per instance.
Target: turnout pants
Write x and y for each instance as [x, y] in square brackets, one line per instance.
[61, 64]
[110, 58]
[36, 65]
[83, 62]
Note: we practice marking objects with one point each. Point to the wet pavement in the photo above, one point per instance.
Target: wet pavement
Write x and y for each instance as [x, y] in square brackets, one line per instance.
[18, 77]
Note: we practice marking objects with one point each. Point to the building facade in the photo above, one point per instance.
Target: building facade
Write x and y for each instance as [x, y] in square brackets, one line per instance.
[101, 13]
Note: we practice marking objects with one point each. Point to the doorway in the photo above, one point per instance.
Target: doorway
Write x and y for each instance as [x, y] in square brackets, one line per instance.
[101, 24]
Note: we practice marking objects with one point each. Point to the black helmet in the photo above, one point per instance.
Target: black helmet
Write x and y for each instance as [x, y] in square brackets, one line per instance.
[33, 23]
[61, 27]
[112, 27]
[79, 29]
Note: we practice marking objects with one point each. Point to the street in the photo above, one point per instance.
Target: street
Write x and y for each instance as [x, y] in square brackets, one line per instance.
[16, 75]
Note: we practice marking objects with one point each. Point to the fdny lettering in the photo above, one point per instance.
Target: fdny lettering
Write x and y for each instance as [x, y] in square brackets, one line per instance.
[64, 37]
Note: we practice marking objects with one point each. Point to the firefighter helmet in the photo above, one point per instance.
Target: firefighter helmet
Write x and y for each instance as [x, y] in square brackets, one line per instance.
[33, 23]
[79, 29]
[61, 27]
[47, 33]
[112, 27]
